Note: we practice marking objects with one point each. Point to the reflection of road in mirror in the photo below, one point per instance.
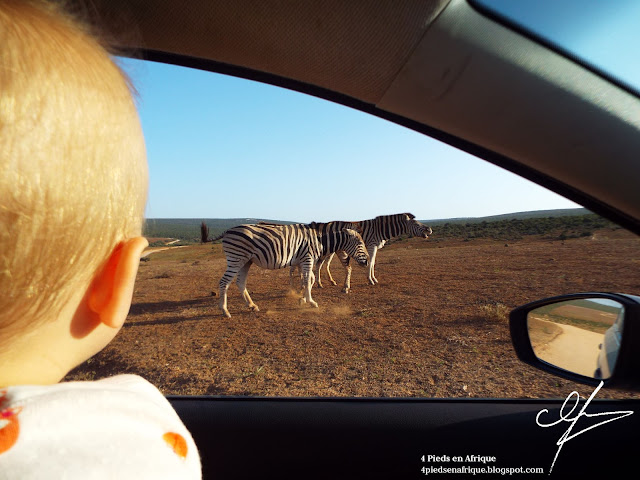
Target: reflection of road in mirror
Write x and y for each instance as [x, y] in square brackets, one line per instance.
[581, 335]
[565, 346]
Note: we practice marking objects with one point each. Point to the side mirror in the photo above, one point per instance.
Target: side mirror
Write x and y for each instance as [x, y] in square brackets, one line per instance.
[584, 337]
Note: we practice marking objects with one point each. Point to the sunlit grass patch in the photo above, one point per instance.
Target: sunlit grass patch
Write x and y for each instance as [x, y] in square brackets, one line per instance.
[495, 311]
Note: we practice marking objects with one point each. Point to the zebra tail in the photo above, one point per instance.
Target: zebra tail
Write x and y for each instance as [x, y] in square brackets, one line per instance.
[204, 234]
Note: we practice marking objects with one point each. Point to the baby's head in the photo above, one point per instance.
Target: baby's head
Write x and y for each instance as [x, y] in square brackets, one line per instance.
[73, 171]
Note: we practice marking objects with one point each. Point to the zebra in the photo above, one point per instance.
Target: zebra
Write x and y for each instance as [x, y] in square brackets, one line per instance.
[273, 246]
[375, 233]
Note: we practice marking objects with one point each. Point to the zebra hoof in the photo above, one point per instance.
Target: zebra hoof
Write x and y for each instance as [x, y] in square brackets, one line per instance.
[226, 314]
[313, 304]
[333, 283]
[346, 290]
[254, 308]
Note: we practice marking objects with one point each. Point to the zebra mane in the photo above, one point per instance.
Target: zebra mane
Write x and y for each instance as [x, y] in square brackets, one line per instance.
[394, 215]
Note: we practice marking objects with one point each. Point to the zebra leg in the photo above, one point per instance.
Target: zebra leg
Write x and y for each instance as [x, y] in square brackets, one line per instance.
[347, 280]
[344, 259]
[242, 286]
[333, 282]
[226, 279]
[318, 266]
[307, 279]
[372, 262]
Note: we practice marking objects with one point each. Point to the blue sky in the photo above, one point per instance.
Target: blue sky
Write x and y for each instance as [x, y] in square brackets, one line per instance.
[223, 147]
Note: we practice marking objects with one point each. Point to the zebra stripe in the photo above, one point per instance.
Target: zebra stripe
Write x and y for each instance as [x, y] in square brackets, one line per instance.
[274, 246]
[375, 233]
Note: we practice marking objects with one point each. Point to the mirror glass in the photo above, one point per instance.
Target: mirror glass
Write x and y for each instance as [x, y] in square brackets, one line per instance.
[582, 336]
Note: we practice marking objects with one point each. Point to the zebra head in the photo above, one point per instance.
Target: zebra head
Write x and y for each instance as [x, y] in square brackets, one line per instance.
[355, 247]
[417, 229]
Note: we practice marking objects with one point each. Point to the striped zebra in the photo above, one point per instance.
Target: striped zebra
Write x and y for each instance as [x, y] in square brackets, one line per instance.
[375, 233]
[273, 246]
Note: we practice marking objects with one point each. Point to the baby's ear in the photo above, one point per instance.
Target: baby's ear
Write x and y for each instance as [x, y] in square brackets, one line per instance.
[111, 291]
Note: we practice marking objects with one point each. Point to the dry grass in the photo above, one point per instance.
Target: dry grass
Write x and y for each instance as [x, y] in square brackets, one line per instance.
[435, 326]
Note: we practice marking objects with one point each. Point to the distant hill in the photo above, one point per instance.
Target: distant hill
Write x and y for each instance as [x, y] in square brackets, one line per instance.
[510, 216]
[561, 224]
[553, 224]
[188, 229]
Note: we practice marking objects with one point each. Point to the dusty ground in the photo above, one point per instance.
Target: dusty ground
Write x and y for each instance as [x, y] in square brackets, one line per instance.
[435, 326]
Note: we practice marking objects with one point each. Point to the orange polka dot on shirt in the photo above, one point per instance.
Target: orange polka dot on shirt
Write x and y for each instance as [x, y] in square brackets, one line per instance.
[177, 443]
[9, 428]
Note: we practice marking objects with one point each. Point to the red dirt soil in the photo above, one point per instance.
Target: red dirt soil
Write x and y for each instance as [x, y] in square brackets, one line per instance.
[435, 326]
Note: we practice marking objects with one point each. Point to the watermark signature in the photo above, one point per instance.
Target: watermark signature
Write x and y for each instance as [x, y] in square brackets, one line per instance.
[566, 417]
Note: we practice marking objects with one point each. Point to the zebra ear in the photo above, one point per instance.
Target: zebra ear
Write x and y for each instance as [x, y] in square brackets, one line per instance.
[410, 215]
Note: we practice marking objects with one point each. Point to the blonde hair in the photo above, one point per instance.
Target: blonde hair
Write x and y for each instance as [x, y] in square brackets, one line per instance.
[73, 171]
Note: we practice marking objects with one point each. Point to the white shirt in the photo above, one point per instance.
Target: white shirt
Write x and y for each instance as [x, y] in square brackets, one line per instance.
[116, 428]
